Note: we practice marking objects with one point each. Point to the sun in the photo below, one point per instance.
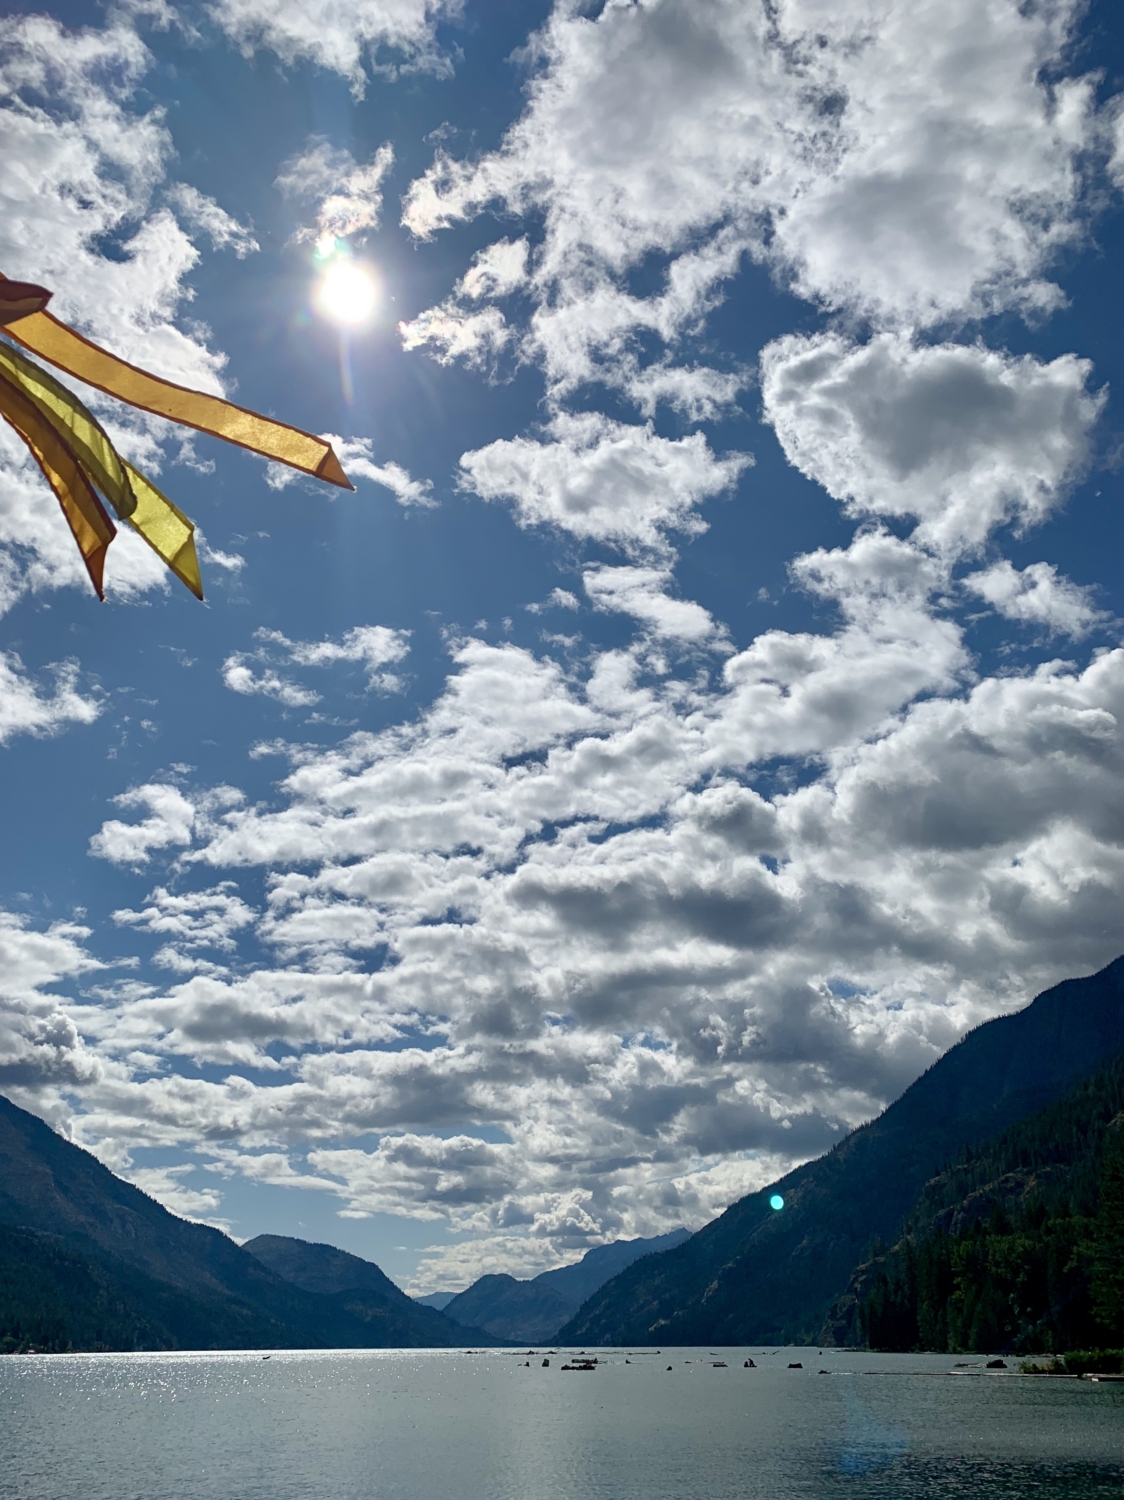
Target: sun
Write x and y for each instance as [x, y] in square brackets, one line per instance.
[347, 293]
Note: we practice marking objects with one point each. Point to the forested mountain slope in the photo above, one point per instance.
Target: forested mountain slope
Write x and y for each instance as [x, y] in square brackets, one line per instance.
[754, 1275]
[1019, 1245]
[88, 1261]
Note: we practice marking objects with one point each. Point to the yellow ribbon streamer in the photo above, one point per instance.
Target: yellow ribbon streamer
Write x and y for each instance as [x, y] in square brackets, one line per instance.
[166, 530]
[135, 498]
[85, 515]
[75, 453]
[43, 334]
[76, 424]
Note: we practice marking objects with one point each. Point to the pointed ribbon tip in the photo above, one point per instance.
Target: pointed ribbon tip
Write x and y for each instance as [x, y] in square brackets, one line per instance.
[331, 469]
[18, 299]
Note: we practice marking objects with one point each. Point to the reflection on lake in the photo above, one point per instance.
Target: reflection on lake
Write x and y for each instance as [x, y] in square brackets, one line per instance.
[418, 1425]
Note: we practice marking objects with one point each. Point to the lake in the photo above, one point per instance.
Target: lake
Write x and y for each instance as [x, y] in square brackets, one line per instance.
[426, 1424]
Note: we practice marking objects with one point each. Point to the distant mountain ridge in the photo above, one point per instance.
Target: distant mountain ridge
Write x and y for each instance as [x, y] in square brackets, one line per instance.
[87, 1261]
[755, 1275]
[534, 1311]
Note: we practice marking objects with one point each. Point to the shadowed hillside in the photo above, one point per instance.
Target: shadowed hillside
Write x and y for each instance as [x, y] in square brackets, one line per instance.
[88, 1261]
[755, 1276]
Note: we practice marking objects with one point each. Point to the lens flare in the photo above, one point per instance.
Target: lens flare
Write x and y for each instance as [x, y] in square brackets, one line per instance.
[776, 1203]
[347, 293]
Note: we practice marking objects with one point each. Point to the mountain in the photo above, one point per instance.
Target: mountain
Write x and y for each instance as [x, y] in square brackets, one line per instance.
[577, 1283]
[755, 1275]
[361, 1290]
[439, 1300]
[1017, 1246]
[510, 1309]
[90, 1262]
[533, 1311]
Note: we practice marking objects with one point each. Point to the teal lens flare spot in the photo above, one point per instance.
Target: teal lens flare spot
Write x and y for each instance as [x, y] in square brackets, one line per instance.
[776, 1202]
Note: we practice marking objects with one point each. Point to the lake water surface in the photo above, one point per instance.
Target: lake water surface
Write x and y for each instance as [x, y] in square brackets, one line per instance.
[425, 1425]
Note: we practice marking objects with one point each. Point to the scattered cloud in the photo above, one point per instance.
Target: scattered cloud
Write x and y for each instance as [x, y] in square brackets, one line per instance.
[556, 599]
[914, 169]
[342, 35]
[239, 676]
[25, 709]
[375, 646]
[202, 213]
[601, 480]
[1037, 595]
[963, 438]
[347, 196]
[357, 456]
[643, 593]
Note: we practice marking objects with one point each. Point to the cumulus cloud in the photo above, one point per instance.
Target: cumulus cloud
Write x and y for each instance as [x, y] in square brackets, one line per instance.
[374, 646]
[40, 1047]
[681, 985]
[340, 35]
[357, 455]
[556, 599]
[961, 437]
[459, 329]
[25, 709]
[239, 676]
[193, 919]
[912, 166]
[601, 480]
[347, 196]
[172, 821]
[643, 593]
[1037, 595]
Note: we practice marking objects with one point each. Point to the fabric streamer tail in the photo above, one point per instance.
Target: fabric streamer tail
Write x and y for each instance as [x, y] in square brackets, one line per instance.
[53, 341]
[166, 530]
[77, 457]
[85, 515]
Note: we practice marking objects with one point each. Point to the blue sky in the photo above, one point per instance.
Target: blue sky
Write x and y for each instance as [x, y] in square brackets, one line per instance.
[705, 709]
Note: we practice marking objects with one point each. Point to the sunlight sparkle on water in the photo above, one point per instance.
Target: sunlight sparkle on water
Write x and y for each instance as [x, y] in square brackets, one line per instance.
[347, 293]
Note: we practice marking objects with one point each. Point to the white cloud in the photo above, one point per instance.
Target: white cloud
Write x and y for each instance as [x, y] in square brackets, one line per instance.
[25, 709]
[458, 329]
[603, 480]
[556, 599]
[348, 196]
[450, 333]
[643, 593]
[376, 646]
[622, 955]
[909, 164]
[202, 212]
[961, 437]
[239, 676]
[340, 34]
[166, 1185]
[40, 1047]
[357, 457]
[194, 919]
[173, 821]
[1036, 595]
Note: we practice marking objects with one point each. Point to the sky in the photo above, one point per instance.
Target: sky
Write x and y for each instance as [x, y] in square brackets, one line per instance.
[707, 706]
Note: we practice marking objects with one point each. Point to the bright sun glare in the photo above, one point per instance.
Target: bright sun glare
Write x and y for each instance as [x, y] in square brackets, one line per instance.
[347, 293]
